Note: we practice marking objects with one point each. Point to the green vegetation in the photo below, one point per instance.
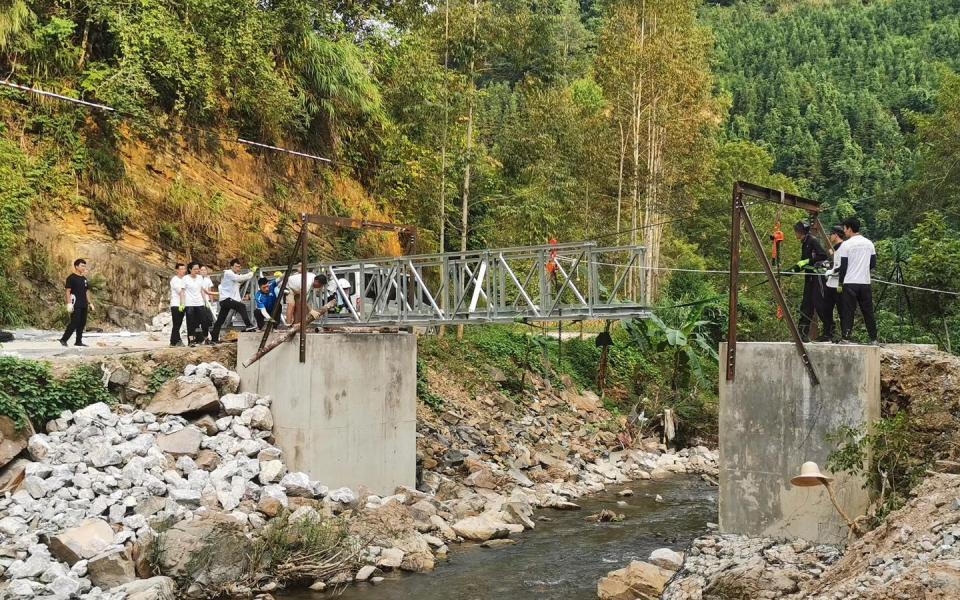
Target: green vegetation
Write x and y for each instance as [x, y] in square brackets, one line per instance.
[30, 392]
[160, 376]
[893, 457]
[640, 379]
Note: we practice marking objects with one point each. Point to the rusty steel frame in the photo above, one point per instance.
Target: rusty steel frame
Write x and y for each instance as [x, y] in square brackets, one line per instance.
[740, 219]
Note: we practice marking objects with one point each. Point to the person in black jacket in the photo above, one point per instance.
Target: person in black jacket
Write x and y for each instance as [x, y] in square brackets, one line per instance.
[812, 255]
[78, 302]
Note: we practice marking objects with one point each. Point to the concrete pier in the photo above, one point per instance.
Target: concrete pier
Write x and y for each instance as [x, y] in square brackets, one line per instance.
[773, 419]
[347, 416]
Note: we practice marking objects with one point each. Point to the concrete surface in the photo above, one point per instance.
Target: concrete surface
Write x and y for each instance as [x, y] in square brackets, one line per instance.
[773, 419]
[41, 344]
[347, 416]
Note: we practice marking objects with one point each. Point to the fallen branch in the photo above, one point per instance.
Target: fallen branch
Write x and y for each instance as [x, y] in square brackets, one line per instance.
[277, 341]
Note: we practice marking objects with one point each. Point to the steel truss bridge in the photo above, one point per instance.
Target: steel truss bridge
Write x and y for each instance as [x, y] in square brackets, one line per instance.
[555, 282]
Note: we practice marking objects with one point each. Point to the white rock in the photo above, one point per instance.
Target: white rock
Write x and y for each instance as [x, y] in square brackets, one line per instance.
[235, 404]
[271, 471]
[342, 495]
[12, 526]
[297, 484]
[38, 446]
[258, 417]
[666, 559]
[103, 456]
[365, 572]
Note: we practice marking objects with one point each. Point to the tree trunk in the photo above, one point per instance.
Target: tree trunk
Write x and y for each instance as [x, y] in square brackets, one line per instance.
[465, 205]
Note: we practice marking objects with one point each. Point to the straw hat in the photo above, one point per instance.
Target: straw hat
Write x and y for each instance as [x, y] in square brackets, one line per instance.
[810, 475]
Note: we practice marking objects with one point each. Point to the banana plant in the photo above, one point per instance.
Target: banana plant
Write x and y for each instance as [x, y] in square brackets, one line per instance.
[687, 343]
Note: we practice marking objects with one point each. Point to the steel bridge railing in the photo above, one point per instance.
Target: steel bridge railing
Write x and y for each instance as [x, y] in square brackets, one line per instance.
[534, 283]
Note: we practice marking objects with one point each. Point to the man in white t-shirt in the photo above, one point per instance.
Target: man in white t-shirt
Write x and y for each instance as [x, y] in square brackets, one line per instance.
[857, 258]
[298, 291]
[177, 304]
[831, 297]
[195, 300]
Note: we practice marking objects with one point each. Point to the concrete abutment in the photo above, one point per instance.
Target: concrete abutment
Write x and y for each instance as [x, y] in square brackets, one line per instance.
[773, 419]
[347, 416]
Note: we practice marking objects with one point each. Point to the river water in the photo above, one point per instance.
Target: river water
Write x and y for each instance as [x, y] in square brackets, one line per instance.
[565, 556]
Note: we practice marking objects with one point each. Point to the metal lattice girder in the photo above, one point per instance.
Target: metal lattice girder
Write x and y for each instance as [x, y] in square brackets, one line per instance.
[535, 283]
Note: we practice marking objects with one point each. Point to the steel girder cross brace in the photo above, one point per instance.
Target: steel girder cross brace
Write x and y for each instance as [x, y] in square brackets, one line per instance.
[740, 219]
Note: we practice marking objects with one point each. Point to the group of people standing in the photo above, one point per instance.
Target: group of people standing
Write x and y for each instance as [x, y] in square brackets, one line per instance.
[836, 279]
[192, 296]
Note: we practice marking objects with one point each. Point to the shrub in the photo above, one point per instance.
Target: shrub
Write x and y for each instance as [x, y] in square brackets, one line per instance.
[31, 392]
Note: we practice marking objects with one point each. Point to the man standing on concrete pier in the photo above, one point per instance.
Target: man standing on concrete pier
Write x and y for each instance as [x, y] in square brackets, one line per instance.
[811, 253]
[857, 258]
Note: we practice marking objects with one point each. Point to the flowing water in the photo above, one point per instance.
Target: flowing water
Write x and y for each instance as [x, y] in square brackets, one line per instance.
[565, 556]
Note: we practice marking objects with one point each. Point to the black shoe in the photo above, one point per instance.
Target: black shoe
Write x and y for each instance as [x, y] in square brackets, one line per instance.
[823, 339]
[192, 345]
[249, 329]
[81, 344]
[847, 342]
[63, 343]
[177, 345]
[210, 343]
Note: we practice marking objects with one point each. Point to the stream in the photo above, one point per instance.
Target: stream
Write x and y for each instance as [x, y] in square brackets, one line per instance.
[565, 556]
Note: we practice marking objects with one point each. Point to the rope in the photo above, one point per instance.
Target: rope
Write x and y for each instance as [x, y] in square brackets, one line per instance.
[110, 109]
[727, 272]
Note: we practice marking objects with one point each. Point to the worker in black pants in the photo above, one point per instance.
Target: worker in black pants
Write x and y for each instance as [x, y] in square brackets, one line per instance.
[78, 303]
[230, 298]
[831, 297]
[858, 258]
[814, 284]
[178, 304]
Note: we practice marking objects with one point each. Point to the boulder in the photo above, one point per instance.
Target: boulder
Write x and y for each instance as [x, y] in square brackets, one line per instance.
[365, 572]
[271, 471]
[585, 402]
[185, 442]
[481, 528]
[639, 580]
[12, 440]
[297, 484]
[666, 558]
[38, 446]
[483, 478]
[13, 473]
[520, 513]
[154, 588]
[110, 569]
[391, 558]
[82, 542]
[216, 538]
[185, 394]
[258, 417]
[235, 404]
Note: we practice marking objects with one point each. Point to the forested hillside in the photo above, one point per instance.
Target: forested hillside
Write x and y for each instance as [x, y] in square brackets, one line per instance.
[484, 122]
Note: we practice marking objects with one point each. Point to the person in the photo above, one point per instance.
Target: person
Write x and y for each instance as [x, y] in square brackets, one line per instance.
[230, 298]
[831, 297]
[195, 298]
[211, 296]
[343, 297]
[266, 299]
[297, 289]
[811, 253]
[177, 304]
[858, 258]
[78, 303]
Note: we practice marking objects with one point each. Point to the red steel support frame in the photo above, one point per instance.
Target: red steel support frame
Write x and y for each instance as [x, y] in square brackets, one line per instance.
[740, 218]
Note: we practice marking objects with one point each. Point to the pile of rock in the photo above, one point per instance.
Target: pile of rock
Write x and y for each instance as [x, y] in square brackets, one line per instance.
[749, 567]
[102, 480]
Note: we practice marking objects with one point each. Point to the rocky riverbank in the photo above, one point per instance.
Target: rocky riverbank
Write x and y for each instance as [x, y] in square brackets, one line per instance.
[188, 494]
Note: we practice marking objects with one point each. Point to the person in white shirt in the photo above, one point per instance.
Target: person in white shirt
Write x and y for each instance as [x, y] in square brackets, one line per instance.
[831, 297]
[177, 304]
[195, 300]
[211, 294]
[298, 291]
[230, 298]
[857, 258]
